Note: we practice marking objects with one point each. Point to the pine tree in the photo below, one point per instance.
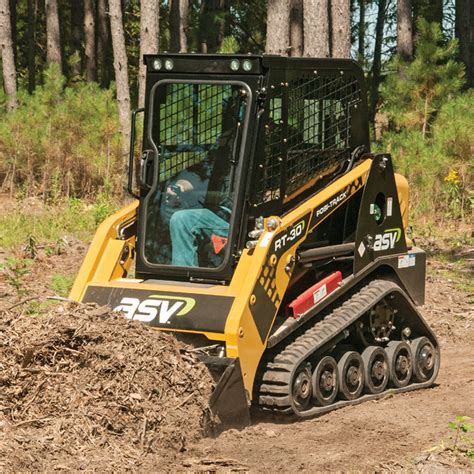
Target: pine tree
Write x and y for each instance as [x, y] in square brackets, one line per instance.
[376, 77]
[178, 19]
[31, 48]
[53, 43]
[89, 41]
[316, 28]
[464, 32]
[405, 29]
[296, 28]
[415, 95]
[121, 71]
[340, 29]
[8, 61]
[149, 35]
[278, 27]
[104, 44]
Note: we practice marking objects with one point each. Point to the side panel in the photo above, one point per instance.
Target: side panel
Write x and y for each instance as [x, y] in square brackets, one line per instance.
[380, 229]
[263, 274]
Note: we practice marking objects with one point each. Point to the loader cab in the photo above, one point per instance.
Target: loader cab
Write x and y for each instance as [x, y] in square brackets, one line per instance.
[229, 138]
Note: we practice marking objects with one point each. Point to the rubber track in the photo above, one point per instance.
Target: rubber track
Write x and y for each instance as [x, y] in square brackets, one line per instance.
[274, 392]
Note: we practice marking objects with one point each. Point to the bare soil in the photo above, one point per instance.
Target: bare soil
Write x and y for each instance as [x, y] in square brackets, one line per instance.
[400, 432]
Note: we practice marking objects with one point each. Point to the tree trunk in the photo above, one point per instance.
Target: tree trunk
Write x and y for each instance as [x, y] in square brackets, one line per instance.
[465, 34]
[77, 13]
[404, 29]
[212, 25]
[377, 63]
[121, 71]
[53, 41]
[13, 25]
[89, 41]
[296, 28]
[183, 25]
[425, 118]
[31, 43]
[340, 13]
[178, 25]
[149, 36]
[104, 46]
[361, 32]
[8, 59]
[278, 27]
[316, 28]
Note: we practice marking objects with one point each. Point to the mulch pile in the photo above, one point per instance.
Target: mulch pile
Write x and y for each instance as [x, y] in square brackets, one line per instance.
[82, 388]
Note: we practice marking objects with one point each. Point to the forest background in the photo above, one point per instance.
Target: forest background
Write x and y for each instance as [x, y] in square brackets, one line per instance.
[72, 74]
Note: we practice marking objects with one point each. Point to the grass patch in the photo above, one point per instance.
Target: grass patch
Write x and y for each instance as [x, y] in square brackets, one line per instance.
[50, 223]
[62, 284]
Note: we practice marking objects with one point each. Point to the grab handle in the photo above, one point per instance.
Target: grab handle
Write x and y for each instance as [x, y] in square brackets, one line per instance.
[132, 152]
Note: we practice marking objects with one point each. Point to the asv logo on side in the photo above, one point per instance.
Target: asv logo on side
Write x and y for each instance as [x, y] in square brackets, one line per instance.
[156, 306]
[387, 240]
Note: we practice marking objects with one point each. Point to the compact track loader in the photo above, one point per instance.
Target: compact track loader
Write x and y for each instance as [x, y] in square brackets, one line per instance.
[267, 235]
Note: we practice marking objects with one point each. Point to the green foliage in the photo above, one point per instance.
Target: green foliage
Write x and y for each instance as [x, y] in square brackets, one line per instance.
[62, 284]
[432, 132]
[414, 95]
[31, 247]
[229, 45]
[15, 269]
[461, 426]
[103, 207]
[62, 141]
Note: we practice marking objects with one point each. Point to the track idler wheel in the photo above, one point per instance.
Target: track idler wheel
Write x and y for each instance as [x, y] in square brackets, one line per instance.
[351, 375]
[400, 362]
[376, 369]
[325, 381]
[425, 359]
[301, 389]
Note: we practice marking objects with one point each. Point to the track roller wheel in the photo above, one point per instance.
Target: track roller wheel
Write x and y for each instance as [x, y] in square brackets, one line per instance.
[301, 389]
[425, 359]
[351, 375]
[400, 362]
[376, 371]
[325, 381]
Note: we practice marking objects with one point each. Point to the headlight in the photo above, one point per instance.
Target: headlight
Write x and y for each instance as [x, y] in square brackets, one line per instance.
[235, 65]
[157, 64]
[169, 64]
[247, 65]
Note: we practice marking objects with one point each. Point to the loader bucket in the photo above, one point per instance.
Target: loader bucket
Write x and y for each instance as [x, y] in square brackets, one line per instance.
[228, 401]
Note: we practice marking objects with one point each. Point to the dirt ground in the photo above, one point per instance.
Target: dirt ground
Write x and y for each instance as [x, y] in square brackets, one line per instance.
[400, 432]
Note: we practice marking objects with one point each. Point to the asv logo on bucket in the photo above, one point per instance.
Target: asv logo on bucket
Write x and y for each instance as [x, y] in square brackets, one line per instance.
[387, 240]
[163, 306]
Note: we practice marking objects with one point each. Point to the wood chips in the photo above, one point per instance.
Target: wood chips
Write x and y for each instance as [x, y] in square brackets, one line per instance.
[82, 388]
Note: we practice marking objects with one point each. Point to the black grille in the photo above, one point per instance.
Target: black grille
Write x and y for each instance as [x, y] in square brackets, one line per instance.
[316, 138]
[269, 185]
[319, 126]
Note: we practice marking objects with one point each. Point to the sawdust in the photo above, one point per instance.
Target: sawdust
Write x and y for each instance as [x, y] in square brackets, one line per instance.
[83, 388]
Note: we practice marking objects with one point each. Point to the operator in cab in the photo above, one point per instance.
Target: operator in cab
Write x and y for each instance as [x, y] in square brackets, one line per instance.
[202, 195]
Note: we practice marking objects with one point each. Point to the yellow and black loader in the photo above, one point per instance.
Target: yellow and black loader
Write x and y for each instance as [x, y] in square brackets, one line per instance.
[266, 234]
